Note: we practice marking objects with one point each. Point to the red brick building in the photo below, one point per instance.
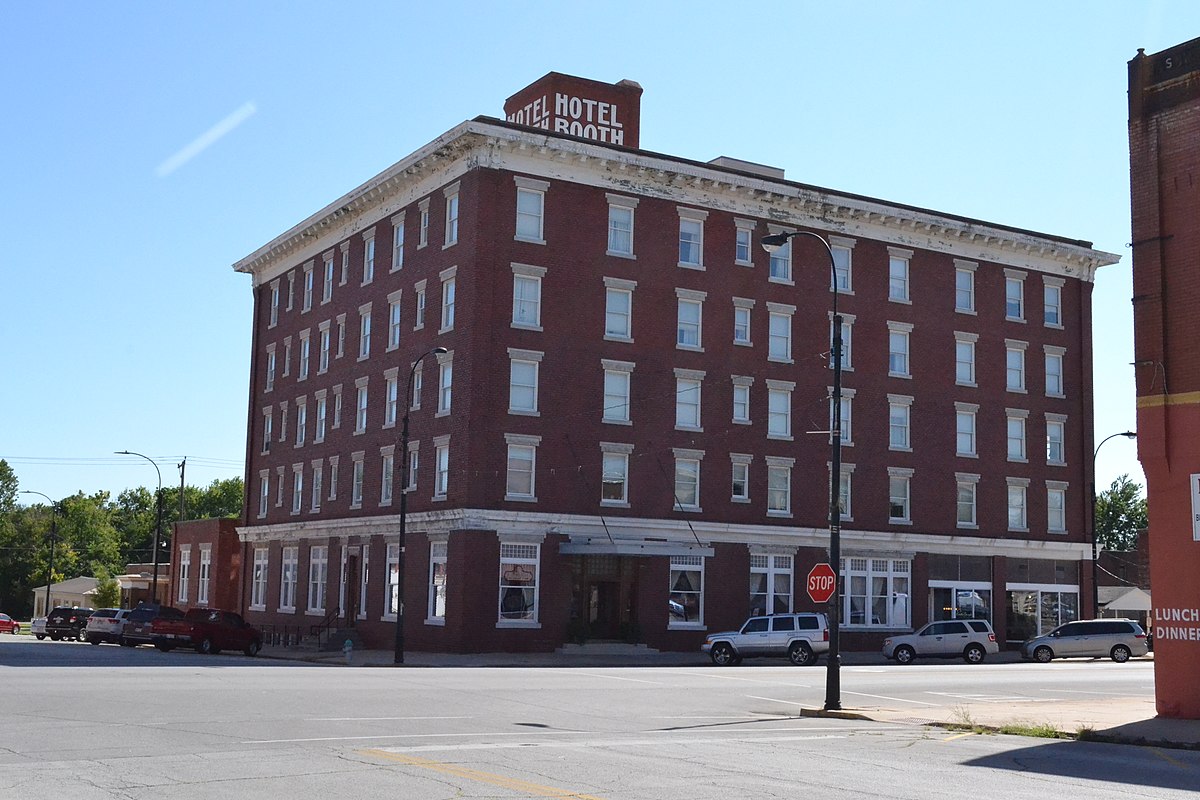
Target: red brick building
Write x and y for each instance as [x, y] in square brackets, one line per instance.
[1164, 171]
[619, 441]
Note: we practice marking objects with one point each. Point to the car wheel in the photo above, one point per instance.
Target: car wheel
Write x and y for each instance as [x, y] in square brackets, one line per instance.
[974, 654]
[904, 654]
[204, 646]
[16, 629]
[54, 637]
[252, 649]
[165, 648]
[81, 636]
[800, 654]
[723, 655]
[92, 639]
[40, 636]
[1120, 654]
[1043, 654]
[124, 642]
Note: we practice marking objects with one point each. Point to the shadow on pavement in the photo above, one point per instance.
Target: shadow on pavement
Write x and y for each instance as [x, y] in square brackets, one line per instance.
[1098, 761]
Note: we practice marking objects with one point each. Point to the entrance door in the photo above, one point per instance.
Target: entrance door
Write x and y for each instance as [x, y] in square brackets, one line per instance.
[351, 610]
[603, 612]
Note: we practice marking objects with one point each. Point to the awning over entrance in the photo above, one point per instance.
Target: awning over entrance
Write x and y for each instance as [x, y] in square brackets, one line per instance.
[603, 545]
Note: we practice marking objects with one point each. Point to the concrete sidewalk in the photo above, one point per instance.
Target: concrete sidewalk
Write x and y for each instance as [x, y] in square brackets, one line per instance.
[1130, 720]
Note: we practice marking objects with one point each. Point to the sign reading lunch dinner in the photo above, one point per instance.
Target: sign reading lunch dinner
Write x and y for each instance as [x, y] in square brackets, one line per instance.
[571, 106]
[1177, 624]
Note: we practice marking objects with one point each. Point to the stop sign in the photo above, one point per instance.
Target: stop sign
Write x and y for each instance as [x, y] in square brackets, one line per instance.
[821, 583]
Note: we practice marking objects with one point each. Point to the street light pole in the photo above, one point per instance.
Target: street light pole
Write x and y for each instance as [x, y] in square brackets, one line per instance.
[833, 679]
[157, 522]
[399, 654]
[1095, 538]
[53, 539]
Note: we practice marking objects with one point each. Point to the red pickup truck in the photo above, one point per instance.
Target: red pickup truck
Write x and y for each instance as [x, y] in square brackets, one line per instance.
[208, 630]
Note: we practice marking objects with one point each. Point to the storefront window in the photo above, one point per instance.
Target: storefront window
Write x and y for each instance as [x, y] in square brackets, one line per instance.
[958, 602]
[878, 591]
[1032, 612]
[770, 584]
[687, 590]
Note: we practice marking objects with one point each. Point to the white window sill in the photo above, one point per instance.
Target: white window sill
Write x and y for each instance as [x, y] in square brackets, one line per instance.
[385, 503]
[894, 521]
[520, 498]
[780, 360]
[614, 504]
[355, 506]
[315, 510]
[439, 622]
[1055, 325]
[363, 357]
[630, 256]
[524, 412]
[388, 618]
[692, 348]
[1015, 391]
[779, 514]
[904, 301]
[689, 429]
[741, 422]
[967, 455]
[1021, 320]
[741, 343]
[286, 610]
[528, 240]
[963, 526]
[445, 330]
[252, 608]
[1056, 463]
[1058, 396]
[419, 326]
[611, 337]
[359, 431]
[970, 311]
[387, 425]
[448, 245]
[688, 509]
[971, 385]
[1056, 533]
[528, 624]
[697, 267]
[1012, 460]
[739, 499]
[525, 326]
[737, 263]
[444, 413]
[1018, 530]
[780, 437]
[784, 281]
[904, 375]
[617, 421]
[898, 449]
[314, 612]
[438, 498]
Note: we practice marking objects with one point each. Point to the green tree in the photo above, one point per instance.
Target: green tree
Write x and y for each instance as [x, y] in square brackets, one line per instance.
[108, 590]
[1120, 514]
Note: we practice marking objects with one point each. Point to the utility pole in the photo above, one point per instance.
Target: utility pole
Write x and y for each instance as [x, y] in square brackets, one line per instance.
[182, 469]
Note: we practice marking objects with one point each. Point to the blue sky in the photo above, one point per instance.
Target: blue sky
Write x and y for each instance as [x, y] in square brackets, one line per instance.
[146, 147]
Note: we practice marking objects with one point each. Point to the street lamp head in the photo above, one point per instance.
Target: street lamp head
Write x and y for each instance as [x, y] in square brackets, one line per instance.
[774, 241]
[1129, 435]
[122, 453]
[439, 351]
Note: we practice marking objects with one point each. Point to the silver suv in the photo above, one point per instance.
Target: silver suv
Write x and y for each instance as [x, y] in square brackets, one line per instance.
[1117, 639]
[800, 637]
[971, 639]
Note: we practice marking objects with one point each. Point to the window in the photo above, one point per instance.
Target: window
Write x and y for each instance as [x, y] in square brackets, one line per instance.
[345, 276]
[356, 483]
[445, 383]
[845, 424]
[618, 309]
[419, 312]
[301, 420]
[1056, 507]
[1016, 434]
[1054, 371]
[770, 584]
[368, 274]
[185, 569]
[306, 300]
[1014, 295]
[1017, 491]
[519, 566]
[423, 230]
[847, 341]
[1015, 365]
[740, 474]
[441, 462]
[964, 286]
[318, 577]
[741, 320]
[779, 486]
[264, 495]
[779, 409]
[283, 420]
[899, 510]
[327, 283]
[270, 367]
[743, 243]
[898, 343]
[341, 335]
[391, 396]
[690, 314]
[965, 429]
[319, 433]
[878, 591]
[620, 225]
[448, 284]
[364, 332]
[304, 354]
[364, 582]
[616, 390]
[781, 260]
[397, 250]
[392, 572]
[274, 304]
[1055, 439]
[414, 461]
[395, 314]
[436, 609]
[360, 415]
[287, 355]
[967, 484]
[333, 477]
[527, 296]
[387, 456]
[531, 202]
[323, 355]
[687, 591]
[337, 406]
[845, 493]
[205, 574]
[258, 580]
[614, 481]
[741, 398]
[964, 358]
[451, 194]
[522, 456]
[899, 422]
[1052, 301]
[318, 473]
[523, 381]
[417, 382]
[288, 575]
[691, 237]
[687, 399]
[687, 479]
[267, 422]
[898, 267]
[842, 268]
[779, 325]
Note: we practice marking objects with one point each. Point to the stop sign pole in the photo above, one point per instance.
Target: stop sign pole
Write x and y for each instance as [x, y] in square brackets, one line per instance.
[833, 678]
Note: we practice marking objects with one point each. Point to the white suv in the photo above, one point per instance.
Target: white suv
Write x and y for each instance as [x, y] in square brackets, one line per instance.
[800, 637]
[105, 625]
[971, 639]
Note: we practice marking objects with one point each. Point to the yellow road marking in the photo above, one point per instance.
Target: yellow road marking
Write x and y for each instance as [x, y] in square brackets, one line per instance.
[491, 778]
[1167, 758]
[958, 736]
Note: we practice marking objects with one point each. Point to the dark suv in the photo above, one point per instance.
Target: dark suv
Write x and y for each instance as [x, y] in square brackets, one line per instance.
[137, 624]
[67, 623]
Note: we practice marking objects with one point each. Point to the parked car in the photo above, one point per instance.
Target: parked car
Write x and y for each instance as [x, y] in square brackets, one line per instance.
[139, 622]
[67, 623]
[208, 630]
[37, 626]
[802, 638]
[9, 625]
[106, 625]
[971, 639]
[1118, 639]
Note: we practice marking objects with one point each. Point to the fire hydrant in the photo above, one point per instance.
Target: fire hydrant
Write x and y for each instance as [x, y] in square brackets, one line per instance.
[348, 650]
